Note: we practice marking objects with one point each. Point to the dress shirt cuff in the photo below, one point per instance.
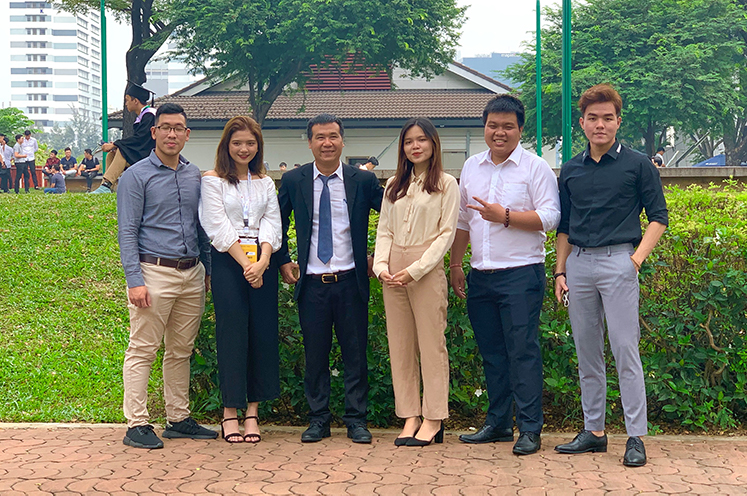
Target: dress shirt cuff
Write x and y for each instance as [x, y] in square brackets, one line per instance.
[135, 279]
[415, 270]
[550, 218]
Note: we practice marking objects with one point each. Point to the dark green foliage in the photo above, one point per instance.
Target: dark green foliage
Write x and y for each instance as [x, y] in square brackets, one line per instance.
[64, 325]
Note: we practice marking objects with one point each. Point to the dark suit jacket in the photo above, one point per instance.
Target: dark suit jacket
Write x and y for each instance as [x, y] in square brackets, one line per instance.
[296, 194]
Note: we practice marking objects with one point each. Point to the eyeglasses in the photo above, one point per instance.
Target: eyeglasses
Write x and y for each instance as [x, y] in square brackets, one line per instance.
[168, 129]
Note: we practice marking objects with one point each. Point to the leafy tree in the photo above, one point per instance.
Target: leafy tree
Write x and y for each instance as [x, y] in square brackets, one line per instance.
[151, 28]
[270, 44]
[79, 133]
[672, 61]
[13, 121]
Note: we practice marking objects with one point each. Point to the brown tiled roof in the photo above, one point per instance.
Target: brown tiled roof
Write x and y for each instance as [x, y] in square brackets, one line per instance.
[374, 105]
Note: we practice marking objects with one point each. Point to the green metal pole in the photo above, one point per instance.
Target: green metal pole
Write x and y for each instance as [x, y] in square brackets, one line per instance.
[538, 84]
[566, 78]
[104, 86]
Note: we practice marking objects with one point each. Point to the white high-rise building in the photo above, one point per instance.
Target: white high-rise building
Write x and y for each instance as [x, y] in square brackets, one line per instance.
[50, 62]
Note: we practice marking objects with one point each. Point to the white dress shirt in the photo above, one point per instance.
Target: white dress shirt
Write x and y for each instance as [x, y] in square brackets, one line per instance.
[524, 182]
[28, 148]
[342, 243]
[7, 154]
[222, 211]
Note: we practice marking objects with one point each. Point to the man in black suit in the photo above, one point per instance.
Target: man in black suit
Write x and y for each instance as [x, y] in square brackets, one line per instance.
[331, 202]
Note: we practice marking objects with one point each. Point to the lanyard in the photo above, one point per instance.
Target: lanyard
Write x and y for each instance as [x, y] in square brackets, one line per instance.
[245, 205]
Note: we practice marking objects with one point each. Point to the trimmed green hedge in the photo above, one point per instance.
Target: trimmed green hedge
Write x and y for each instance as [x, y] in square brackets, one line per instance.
[64, 325]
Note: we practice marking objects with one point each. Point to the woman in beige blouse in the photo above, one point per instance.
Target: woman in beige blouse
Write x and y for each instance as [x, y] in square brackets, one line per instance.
[416, 227]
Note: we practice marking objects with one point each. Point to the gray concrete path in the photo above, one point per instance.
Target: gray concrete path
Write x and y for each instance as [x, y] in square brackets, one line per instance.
[62, 459]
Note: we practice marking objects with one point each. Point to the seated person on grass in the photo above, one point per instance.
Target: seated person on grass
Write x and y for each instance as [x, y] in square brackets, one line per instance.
[56, 181]
[89, 168]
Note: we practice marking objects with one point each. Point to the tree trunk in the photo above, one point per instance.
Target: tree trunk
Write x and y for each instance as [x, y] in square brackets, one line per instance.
[735, 141]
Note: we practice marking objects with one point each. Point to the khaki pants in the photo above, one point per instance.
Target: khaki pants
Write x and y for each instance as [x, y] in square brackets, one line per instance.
[177, 303]
[415, 322]
[115, 166]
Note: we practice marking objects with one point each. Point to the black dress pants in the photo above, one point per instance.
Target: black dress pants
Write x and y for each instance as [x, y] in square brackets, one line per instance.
[32, 170]
[22, 169]
[4, 179]
[320, 308]
[504, 308]
[246, 331]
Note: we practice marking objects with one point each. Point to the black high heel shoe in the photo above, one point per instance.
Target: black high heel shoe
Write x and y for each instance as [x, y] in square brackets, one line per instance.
[438, 438]
[402, 441]
[231, 437]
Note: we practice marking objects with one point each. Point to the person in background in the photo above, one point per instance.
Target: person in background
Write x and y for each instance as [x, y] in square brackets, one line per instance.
[89, 168]
[283, 166]
[296, 166]
[372, 162]
[657, 160]
[56, 181]
[127, 151]
[52, 160]
[22, 169]
[6, 161]
[69, 163]
[416, 227]
[29, 147]
[240, 214]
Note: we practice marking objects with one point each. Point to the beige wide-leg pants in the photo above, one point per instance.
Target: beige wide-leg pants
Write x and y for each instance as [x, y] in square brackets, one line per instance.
[115, 166]
[416, 321]
[177, 303]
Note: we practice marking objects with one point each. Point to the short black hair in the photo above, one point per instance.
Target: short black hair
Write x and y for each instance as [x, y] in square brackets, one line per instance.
[56, 167]
[27, 132]
[54, 151]
[282, 164]
[18, 136]
[324, 119]
[373, 160]
[68, 148]
[660, 149]
[171, 109]
[504, 104]
[88, 151]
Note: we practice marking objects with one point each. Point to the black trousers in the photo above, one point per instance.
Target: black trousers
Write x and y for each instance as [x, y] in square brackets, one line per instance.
[246, 331]
[90, 175]
[504, 309]
[32, 171]
[320, 308]
[4, 179]
[22, 169]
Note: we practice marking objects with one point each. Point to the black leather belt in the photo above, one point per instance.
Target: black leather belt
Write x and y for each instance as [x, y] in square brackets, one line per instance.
[178, 264]
[333, 277]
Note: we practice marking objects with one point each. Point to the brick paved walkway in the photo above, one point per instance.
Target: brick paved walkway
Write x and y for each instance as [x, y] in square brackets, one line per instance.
[75, 460]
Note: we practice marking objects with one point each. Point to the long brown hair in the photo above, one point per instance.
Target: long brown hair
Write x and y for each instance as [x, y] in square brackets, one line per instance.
[224, 164]
[432, 184]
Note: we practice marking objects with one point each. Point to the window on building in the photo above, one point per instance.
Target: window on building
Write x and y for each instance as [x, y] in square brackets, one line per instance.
[37, 18]
[82, 48]
[36, 44]
[95, 78]
[96, 54]
[83, 61]
[39, 84]
[84, 99]
[83, 74]
[82, 36]
[96, 91]
[96, 103]
[36, 57]
[38, 110]
[37, 97]
[36, 31]
[95, 66]
[83, 87]
[38, 70]
[82, 23]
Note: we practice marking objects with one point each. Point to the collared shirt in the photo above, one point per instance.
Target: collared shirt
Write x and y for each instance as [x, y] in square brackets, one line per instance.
[7, 153]
[29, 147]
[342, 243]
[601, 203]
[524, 182]
[68, 164]
[57, 181]
[17, 149]
[157, 213]
[418, 218]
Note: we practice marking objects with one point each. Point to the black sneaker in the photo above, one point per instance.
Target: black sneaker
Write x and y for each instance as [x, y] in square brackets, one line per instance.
[142, 436]
[188, 428]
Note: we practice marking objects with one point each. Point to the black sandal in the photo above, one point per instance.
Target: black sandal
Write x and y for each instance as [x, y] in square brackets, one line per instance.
[252, 437]
[233, 437]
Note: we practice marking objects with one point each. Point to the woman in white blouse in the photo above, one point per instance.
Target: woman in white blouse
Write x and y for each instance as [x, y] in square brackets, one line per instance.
[416, 227]
[239, 211]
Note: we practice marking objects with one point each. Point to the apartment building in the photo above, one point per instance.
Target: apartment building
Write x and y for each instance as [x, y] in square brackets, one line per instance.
[50, 62]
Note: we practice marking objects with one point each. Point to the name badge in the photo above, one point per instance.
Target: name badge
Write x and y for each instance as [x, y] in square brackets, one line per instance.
[250, 247]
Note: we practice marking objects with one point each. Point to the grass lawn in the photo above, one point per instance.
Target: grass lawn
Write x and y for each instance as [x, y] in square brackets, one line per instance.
[63, 316]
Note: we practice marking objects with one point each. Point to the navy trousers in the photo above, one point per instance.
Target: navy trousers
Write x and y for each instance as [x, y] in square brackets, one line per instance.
[504, 308]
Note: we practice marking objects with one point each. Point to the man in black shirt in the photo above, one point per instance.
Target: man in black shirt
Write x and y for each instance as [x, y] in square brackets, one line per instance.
[602, 193]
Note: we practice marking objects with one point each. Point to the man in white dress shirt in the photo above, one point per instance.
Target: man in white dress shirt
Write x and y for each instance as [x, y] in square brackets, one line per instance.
[509, 199]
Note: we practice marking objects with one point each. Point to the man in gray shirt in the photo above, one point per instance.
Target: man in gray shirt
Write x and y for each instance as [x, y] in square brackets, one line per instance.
[166, 259]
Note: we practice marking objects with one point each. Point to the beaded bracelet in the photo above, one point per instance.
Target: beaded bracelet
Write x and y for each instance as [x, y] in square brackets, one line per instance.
[505, 224]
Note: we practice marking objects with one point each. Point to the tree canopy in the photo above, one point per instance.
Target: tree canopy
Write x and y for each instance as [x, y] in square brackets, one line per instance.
[13, 121]
[269, 44]
[674, 62]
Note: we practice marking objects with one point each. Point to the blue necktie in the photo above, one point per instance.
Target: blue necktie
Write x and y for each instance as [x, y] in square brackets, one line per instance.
[324, 243]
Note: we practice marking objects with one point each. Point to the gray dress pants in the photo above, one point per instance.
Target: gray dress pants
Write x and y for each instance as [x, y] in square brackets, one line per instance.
[603, 284]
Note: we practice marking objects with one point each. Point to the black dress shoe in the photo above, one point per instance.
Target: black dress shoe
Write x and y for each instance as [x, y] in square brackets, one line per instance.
[528, 443]
[359, 433]
[488, 434]
[584, 442]
[635, 453]
[317, 431]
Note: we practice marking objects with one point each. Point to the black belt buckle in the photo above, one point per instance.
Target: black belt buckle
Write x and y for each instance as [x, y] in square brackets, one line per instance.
[329, 278]
[185, 263]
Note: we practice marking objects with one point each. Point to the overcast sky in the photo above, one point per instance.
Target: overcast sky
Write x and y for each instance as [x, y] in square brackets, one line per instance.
[492, 26]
